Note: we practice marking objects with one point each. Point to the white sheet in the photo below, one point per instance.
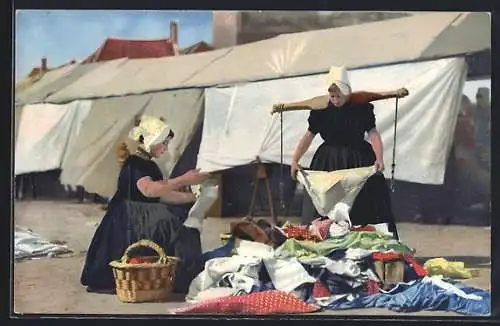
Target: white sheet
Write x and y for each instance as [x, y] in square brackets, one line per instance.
[238, 126]
[28, 244]
[92, 161]
[333, 193]
[45, 132]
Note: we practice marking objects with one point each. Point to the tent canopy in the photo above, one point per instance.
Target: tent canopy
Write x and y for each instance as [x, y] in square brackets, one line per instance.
[35, 93]
[418, 37]
[411, 38]
[91, 160]
[136, 76]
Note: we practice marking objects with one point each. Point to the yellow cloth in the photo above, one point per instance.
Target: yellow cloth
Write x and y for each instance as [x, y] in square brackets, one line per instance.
[451, 269]
[333, 193]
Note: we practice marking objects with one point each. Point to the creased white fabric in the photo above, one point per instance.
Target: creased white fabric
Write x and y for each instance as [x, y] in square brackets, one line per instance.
[333, 193]
[46, 132]
[343, 267]
[247, 248]
[214, 293]
[198, 212]
[29, 244]
[243, 273]
[383, 227]
[287, 274]
[451, 288]
[339, 229]
[357, 253]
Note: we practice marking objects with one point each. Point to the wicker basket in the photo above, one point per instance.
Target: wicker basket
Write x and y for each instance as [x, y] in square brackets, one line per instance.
[149, 281]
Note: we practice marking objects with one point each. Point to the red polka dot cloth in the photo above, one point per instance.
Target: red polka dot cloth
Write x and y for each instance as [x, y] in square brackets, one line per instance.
[299, 232]
[258, 303]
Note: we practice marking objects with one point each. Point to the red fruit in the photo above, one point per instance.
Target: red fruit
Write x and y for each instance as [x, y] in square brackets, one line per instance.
[135, 260]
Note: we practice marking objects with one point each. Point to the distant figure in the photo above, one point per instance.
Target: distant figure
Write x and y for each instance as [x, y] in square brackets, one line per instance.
[465, 134]
[483, 126]
[22, 182]
[482, 123]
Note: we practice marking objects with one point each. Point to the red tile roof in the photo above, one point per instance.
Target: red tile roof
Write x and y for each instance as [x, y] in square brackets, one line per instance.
[133, 49]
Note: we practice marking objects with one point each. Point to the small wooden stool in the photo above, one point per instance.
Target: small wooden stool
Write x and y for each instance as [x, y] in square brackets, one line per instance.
[261, 175]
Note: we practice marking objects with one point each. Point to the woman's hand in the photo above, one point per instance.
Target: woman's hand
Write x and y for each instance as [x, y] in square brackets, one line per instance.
[294, 167]
[379, 165]
[194, 177]
[277, 108]
[402, 92]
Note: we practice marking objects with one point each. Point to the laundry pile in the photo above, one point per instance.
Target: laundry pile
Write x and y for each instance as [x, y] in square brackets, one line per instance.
[265, 269]
[28, 244]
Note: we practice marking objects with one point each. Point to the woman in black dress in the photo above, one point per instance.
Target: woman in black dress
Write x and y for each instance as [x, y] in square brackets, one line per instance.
[342, 126]
[141, 180]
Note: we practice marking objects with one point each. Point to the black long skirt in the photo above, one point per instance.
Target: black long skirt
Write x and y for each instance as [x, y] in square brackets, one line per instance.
[373, 203]
[121, 227]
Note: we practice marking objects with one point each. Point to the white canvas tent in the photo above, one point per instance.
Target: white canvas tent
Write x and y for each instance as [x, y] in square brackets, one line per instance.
[46, 131]
[56, 79]
[425, 123]
[95, 150]
[48, 83]
[286, 55]
[391, 41]
[137, 76]
[408, 39]
[92, 161]
[35, 92]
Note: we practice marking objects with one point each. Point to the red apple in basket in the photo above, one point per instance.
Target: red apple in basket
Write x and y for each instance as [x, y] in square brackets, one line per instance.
[135, 260]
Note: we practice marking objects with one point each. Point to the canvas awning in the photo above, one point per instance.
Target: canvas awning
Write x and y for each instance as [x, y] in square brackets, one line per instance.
[414, 38]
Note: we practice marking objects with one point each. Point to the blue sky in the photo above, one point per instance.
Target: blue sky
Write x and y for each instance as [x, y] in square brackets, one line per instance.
[63, 35]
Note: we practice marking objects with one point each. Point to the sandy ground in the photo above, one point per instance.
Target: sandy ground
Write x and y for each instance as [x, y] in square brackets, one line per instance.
[51, 285]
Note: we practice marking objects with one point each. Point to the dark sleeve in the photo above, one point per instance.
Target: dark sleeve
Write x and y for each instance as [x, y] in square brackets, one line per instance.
[154, 171]
[370, 122]
[133, 170]
[314, 122]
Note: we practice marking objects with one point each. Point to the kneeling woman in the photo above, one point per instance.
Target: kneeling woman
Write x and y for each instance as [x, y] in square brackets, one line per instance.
[137, 210]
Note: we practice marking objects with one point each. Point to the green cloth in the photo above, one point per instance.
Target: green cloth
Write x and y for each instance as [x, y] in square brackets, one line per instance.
[375, 241]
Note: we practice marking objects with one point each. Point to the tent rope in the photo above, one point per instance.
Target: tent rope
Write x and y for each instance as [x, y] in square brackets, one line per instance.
[393, 165]
[282, 186]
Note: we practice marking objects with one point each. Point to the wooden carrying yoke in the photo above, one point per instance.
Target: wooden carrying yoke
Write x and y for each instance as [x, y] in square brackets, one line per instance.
[321, 102]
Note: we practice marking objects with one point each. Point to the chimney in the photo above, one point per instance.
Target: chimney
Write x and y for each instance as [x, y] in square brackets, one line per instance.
[44, 64]
[174, 33]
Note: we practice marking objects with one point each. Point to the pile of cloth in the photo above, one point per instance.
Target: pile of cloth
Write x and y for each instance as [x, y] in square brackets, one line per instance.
[28, 244]
[287, 269]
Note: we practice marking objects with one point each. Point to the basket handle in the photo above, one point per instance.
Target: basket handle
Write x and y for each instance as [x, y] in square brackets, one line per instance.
[145, 243]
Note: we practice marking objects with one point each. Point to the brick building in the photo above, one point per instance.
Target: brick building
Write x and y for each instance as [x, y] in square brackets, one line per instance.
[240, 27]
